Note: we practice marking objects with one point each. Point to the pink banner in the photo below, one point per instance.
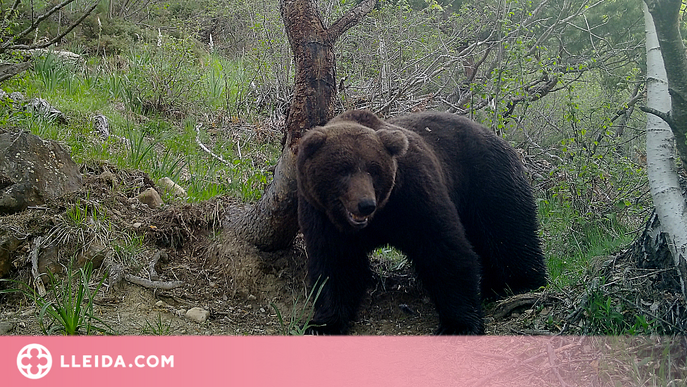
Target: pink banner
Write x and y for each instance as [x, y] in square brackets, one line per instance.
[332, 361]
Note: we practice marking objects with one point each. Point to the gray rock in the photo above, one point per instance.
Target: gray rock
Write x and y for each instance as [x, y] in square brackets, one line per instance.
[5, 327]
[49, 260]
[101, 126]
[96, 254]
[151, 198]
[33, 170]
[198, 315]
[171, 187]
[8, 244]
[17, 97]
[44, 108]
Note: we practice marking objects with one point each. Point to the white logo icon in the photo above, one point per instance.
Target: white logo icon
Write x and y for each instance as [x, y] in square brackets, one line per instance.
[34, 361]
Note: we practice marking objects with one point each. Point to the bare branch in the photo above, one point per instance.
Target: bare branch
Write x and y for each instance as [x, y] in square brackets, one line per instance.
[638, 94]
[131, 12]
[664, 116]
[350, 19]
[534, 94]
[9, 46]
[206, 149]
[152, 284]
[35, 22]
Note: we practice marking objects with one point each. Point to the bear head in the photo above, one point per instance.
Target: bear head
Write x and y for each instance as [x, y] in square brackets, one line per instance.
[348, 170]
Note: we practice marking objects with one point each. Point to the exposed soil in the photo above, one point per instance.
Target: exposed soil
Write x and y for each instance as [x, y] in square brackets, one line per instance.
[239, 285]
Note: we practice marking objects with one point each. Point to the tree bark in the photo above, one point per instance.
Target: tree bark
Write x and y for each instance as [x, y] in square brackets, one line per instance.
[8, 70]
[661, 169]
[272, 223]
[666, 14]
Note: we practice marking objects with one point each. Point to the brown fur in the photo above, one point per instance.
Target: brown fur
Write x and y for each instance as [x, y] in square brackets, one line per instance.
[444, 190]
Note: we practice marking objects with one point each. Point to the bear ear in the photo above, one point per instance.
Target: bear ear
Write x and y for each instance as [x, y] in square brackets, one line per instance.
[311, 141]
[363, 117]
[395, 141]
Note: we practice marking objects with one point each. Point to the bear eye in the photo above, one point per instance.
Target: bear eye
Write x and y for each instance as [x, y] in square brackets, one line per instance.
[345, 169]
[375, 169]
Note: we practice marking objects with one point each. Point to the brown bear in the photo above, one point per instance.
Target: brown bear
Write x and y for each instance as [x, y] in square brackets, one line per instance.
[441, 188]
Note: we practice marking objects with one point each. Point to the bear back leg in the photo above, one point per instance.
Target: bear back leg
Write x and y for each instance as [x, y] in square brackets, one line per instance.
[502, 227]
[444, 261]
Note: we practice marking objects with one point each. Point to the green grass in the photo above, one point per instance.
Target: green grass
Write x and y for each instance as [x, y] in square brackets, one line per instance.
[85, 214]
[152, 141]
[157, 327]
[606, 315]
[67, 306]
[227, 83]
[571, 241]
[298, 322]
[153, 111]
[127, 250]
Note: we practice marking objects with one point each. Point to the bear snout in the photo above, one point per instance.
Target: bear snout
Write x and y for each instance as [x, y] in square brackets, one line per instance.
[367, 206]
[359, 201]
[360, 212]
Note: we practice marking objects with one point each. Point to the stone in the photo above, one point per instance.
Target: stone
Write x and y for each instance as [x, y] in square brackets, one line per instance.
[198, 315]
[151, 198]
[5, 327]
[101, 126]
[33, 170]
[48, 260]
[171, 187]
[17, 97]
[8, 244]
[96, 254]
[45, 109]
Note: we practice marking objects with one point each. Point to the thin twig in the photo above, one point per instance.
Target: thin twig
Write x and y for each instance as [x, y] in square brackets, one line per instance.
[203, 147]
[152, 284]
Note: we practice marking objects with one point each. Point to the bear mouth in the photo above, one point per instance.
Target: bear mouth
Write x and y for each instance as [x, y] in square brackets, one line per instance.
[358, 221]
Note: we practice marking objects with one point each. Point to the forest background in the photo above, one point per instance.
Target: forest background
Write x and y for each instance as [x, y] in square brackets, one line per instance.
[197, 91]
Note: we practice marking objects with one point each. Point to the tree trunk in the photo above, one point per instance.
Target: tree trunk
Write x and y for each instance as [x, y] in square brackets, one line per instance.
[272, 222]
[671, 208]
[8, 70]
[666, 14]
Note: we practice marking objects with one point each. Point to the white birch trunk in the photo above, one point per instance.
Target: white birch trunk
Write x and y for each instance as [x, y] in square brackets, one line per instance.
[660, 150]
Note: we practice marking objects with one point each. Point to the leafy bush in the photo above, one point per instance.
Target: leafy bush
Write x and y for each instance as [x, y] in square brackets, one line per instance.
[163, 78]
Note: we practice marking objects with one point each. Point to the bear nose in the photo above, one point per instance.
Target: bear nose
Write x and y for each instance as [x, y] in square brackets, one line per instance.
[367, 206]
